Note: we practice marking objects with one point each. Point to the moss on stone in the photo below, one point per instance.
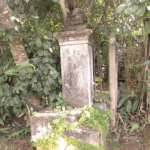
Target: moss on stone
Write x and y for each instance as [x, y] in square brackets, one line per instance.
[92, 117]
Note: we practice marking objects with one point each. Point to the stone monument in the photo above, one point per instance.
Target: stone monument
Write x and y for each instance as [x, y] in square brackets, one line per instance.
[75, 42]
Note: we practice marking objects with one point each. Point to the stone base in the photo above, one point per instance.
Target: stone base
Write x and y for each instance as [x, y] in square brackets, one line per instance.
[40, 128]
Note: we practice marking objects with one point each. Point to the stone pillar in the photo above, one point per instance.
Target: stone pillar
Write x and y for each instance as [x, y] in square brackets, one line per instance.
[77, 66]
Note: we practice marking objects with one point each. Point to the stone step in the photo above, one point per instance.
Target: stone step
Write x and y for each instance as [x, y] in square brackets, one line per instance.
[40, 128]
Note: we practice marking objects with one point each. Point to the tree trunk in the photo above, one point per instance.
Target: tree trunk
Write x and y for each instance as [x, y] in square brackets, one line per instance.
[16, 46]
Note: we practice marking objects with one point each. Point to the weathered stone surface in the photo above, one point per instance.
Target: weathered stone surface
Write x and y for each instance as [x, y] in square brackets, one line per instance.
[102, 106]
[77, 66]
[40, 122]
[40, 127]
[85, 134]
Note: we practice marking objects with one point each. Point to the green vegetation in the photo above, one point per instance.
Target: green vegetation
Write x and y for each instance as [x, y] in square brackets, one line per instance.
[35, 21]
[92, 117]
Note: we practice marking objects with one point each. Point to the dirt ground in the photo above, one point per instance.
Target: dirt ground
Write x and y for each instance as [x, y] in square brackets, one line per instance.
[14, 144]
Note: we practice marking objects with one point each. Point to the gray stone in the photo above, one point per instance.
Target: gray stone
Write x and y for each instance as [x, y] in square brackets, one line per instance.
[102, 106]
[77, 66]
[85, 134]
[40, 122]
[41, 128]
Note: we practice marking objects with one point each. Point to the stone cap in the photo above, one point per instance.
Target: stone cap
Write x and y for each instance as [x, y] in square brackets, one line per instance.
[73, 33]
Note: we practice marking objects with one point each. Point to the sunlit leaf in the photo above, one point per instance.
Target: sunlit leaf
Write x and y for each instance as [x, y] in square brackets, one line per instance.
[123, 100]
[129, 106]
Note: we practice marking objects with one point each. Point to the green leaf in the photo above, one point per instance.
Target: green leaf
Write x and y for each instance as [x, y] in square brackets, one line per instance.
[148, 74]
[1, 122]
[121, 8]
[11, 37]
[45, 45]
[34, 79]
[129, 106]
[32, 43]
[38, 42]
[52, 95]
[49, 34]
[36, 60]
[54, 74]
[130, 9]
[1, 93]
[141, 9]
[135, 126]
[40, 53]
[123, 99]
[122, 86]
[147, 62]
[135, 105]
[148, 81]
[147, 28]
[45, 59]
[7, 36]
[55, 1]
[148, 89]
[148, 100]
[11, 103]
[48, 43]
[23, 112]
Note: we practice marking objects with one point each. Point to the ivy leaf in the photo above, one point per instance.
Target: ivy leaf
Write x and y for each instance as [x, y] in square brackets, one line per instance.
[36, 60]
[49, 34]
[38, 42]
[48, 43]
[11, 102]
[34, 79]
[54, 74]
[40, 53]
[45, 45]
[52, 95]
[129, 106]
[141, 9]
[32, 43]
[121, 8]
[45, 59]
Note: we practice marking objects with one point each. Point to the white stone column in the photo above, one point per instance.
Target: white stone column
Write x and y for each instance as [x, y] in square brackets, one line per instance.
[77, 66]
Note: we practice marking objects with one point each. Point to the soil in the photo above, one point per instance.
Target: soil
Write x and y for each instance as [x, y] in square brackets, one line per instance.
[15, 144]
[18, 142]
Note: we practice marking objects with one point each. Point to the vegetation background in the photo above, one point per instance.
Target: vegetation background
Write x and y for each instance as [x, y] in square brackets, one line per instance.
[30, 58]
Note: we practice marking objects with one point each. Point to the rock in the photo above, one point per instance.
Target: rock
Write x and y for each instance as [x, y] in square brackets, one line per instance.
[85, 134]
[77, 76]
[40, 127]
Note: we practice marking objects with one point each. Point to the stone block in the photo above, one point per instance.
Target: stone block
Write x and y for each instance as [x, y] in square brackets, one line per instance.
[77, 66]
[40, 121]
[102, 106]
[40, 128]
[85, 134]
